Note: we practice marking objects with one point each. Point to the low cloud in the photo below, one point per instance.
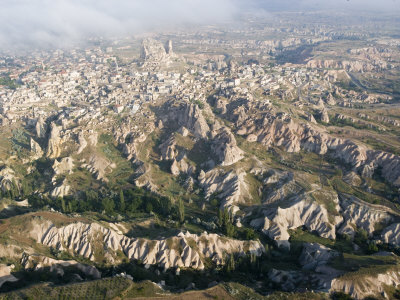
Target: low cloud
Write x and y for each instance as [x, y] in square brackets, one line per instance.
[47, 23]
[58, 23]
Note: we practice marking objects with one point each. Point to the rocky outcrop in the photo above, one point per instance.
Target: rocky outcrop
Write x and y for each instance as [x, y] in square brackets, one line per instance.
[272, 129]
[168, 149]
[278, 221]
[324, 117]
[352, 66]
[230, 187]
[8, 179]
[54, 142]
[311, 119]
[359, 288]
[5, 274]
[38, 262]
[81, 142]
[180, 165]
[153, 52]
[286, 280]
[279, 185]
[64, 166]
[169, 48]
[391, 234]
[35, 149]
[40, 128]
[359, 214]
[352, 178]
[315, 255]
[99, 166]
[184, 250]
[225, 148]
[61, 190]
[190, 116]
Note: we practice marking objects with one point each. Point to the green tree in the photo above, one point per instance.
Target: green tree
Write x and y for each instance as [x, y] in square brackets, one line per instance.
[250, 234]
[231, 264]
[108, 205]
[361, 237]
[220, 218]
[225, 223]
[63, 206]
[181, 211]
[372, 248]
[121, 201]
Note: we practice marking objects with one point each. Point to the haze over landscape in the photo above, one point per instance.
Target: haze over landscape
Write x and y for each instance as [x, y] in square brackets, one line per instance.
[44, 23]
[194, 149]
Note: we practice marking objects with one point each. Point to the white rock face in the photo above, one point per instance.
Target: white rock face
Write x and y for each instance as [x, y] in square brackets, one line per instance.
[36, 149]
[306, 213]
[38, 262]
[5, 274]
[230, 186]
[352, 178]
[168, 149]
[99, 166]
[324, 116]
[81, 142]
[368, 285]
[310, 118]
[185, 250]
[54, 142]
[40, 128]
[352, 66]
[190, 116]
[8, 179]
[315, 255]
[270, 129]
[225, 148]
[154, 53]
[64, 166]
[391, 234]
[360, 214]
[180, 165]
[283, 185]
[61, 190]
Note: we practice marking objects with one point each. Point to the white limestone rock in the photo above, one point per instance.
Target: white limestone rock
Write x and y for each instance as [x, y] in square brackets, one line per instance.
[61, 190]
[359, 214]
[54, 142]
[5, 274]
[35, 149]
[81, 238]
[225, 148]
[230, 187]
[302, 212]
[315, 255]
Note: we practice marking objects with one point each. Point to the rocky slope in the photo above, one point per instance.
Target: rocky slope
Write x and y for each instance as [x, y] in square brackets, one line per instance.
[302, 212]
[230, 187]
[272, 129]
[367, 285]
[359, 214]
[184, 250]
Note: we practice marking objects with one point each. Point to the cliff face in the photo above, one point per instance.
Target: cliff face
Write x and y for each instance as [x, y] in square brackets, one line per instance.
[184, 250]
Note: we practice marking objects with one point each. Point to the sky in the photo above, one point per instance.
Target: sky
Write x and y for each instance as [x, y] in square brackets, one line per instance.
[57, 23]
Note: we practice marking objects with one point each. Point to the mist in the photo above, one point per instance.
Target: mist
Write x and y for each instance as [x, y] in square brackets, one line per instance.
[59, 23]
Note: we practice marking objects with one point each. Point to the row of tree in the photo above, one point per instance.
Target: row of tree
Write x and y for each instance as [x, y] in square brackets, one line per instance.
[126, 202]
